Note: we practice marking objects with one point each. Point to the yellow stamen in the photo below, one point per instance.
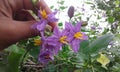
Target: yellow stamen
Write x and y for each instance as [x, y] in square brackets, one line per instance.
[63, 40]
[78, 35]
[44, 14]
[37, 42]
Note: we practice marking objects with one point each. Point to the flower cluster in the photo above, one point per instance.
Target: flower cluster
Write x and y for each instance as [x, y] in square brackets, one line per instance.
[44, 19]
[51, 45]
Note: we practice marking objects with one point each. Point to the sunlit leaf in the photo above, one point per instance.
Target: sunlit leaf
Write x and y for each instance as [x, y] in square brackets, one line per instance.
[103, 60]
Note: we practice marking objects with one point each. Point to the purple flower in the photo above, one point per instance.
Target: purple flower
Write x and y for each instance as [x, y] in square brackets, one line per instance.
[100, 28]
[93, 27]
[111, 43]
[46, 56]
[104, 14]
[83, 9]
[44, 19]
[58, 39]
[75, 36]
[45, 44]
[46, 51]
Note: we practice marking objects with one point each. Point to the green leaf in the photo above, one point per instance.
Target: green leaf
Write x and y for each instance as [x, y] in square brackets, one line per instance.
[99, 43]
[65, 69]
[110, 19]
[89, 2]
[14, 58]
[13, 62]
[60, 24]
[35, 52]
[83, 70]
[82, 57]
[49, 68]
[62, 7]
[83, 45]
[15, 49]
[51, 7]
[117, 2]
[61, 2]
[118, 35]
[2, 67]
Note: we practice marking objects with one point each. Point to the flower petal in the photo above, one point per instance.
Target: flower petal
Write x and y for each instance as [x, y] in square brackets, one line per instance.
[52, 18]
[34, 26]
[68, 26]
[45, 57]
[58, 48]
[85, 37]
[78, 27]
[56, 31]
[41, 26]
[39, 15]
[70, 38]
[75, 44]
[65, 33]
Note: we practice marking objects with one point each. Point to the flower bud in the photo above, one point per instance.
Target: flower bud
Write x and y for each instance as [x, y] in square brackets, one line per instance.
[71, 11]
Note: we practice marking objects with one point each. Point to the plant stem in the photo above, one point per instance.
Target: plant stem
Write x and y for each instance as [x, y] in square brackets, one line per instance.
[93, 69]
[21, 64]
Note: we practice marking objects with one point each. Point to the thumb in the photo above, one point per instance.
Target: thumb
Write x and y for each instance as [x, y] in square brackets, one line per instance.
[15, 31]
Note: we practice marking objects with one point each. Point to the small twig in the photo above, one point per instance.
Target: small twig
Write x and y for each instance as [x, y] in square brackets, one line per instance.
[34, 65]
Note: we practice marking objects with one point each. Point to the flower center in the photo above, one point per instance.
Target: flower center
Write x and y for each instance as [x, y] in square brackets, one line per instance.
[63, 40]
[78, 35]
[47, 56]
[37, 42]
[44, 14]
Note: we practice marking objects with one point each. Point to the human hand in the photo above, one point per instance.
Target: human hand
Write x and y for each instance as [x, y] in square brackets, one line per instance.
[16, 21]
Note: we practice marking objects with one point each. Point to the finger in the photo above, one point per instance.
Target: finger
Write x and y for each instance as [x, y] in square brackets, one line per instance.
[42, 4]
[18, 5]
[23, 29]
[24, 15]
[14, 31]
[28, 5]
